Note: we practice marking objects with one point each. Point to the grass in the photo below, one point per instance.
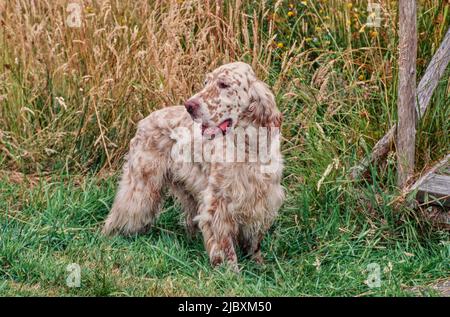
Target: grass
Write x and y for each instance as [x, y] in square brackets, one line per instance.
[70, 100]
[56, 223]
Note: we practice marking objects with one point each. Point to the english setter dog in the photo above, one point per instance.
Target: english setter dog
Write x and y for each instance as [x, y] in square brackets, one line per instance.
[231, 201]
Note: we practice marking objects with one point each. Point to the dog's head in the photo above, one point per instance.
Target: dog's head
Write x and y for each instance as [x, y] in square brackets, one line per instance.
[232, 94]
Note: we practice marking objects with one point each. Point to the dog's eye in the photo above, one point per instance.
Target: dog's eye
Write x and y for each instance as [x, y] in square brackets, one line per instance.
[223, 85]
[205, 82]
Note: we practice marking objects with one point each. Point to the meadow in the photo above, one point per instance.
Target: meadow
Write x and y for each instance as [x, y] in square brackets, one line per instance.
[70, 98]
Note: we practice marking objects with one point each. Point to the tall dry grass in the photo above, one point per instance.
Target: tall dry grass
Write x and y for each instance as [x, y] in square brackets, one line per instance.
[70, 97]
[69, 91]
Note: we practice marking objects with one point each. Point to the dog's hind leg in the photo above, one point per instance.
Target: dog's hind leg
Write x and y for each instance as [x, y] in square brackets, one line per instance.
[139, 196]
[189, 206]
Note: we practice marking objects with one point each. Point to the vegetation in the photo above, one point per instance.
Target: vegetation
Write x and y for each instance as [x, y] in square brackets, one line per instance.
[70, 99]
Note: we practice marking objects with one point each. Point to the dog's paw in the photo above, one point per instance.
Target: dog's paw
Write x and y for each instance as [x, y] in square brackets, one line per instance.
[258, 258]
[234, 267]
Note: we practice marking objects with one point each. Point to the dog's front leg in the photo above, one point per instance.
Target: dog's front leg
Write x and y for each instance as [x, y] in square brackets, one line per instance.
[219, 232]
[250, 243]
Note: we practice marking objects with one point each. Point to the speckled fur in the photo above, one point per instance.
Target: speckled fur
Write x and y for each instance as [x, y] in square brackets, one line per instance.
[231, 203]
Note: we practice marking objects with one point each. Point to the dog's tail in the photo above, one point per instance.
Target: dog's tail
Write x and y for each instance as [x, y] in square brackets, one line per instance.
[138, 199]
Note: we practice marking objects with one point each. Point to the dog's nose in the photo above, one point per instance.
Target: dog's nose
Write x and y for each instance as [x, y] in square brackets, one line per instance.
[191, 106]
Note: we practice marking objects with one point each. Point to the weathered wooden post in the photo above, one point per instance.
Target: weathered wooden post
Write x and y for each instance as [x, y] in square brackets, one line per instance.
[435, 70]
[406, 106]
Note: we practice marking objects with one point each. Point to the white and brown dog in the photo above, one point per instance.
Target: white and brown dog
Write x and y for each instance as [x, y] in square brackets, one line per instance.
[232, 202]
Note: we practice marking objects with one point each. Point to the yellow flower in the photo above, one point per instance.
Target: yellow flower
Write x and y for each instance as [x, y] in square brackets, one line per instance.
[349, 5]
[318, 29]
[291, 14]
[89, 9]
[361, 77]
[373, 34]
[305, 3]
[280, 45]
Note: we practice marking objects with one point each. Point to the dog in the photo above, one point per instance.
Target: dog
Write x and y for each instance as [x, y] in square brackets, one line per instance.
[231, 202]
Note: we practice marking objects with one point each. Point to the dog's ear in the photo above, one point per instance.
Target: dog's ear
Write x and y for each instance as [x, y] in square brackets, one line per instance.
[263, 109]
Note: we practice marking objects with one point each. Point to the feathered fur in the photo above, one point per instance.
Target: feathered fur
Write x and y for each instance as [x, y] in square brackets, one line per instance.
[232, 203]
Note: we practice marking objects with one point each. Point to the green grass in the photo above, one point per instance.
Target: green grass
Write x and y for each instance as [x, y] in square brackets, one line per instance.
[310, 251]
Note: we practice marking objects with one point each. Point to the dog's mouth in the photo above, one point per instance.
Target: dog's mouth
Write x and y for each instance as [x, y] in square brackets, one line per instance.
[212, 131]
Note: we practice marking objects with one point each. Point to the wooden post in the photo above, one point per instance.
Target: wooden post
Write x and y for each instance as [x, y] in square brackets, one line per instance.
[434, 72]
[406, 107]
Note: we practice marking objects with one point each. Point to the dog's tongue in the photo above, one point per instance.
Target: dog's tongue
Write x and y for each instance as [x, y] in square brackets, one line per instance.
[223, 126]
[211, 132]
